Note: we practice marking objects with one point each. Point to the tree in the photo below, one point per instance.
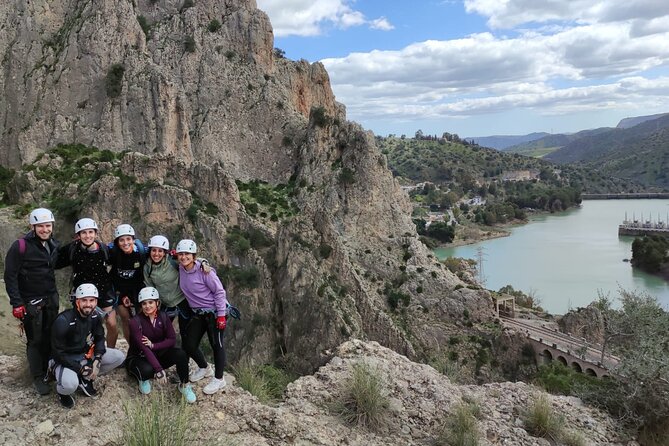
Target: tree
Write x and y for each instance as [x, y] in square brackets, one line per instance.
[441, 231]
[638, 332]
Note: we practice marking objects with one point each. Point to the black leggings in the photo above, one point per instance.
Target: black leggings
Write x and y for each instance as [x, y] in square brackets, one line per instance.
[197, 326]
[141, 368]
[185, 314]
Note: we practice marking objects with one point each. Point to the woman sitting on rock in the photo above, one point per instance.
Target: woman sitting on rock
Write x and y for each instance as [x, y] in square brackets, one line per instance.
[207, 298]
[162, 273]
[153, 347]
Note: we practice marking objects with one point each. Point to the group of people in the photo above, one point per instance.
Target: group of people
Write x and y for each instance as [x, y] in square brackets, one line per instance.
[147, 291]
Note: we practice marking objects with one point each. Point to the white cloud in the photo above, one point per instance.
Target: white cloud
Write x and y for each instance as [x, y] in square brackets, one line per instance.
[382, 24]
[309, 17]
[482, 74]
[510, 13]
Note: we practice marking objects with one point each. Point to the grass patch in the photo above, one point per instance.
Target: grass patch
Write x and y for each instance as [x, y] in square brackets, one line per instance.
[541, 420]
[214, 26]
[157, 420]
[265, 382]
[364, 401]
[460, 428]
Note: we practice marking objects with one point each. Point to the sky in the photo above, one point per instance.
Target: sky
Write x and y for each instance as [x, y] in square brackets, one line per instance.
[483, 67]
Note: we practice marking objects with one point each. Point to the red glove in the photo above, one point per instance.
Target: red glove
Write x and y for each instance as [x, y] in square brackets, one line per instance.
[220, 322]
[20, 313]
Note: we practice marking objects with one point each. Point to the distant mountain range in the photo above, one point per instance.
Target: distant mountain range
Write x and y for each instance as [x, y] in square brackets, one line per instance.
[501, 142]
[636, 149]
[640, 153]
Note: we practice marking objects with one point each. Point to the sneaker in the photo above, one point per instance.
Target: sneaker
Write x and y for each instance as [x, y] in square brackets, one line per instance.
[67, 401]
[145, 387]
[187, 391]
[197, 375]
[86, 386]
[214, 386]
[42, 387]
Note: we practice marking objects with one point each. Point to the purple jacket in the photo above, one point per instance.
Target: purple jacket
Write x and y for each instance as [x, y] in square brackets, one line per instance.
[161, 335]
[203, 291]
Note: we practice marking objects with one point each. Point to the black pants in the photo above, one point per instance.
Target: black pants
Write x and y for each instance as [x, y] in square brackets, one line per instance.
[141, 368]
[185, 313]
[197, 326]
[37, 325]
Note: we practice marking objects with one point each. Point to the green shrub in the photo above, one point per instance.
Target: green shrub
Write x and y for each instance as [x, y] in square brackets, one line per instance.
[460, 428]
[237, 243]
[144, 24]
[214, 26]
[114, 80]
[189, 44]
[540, 419]
[157, 420]
[346, 176]
[364, 400]
[250, 380]
[572, 438]
[324, 250]
[244, 278]
[265, 382]
[319, 117]
[395, 298]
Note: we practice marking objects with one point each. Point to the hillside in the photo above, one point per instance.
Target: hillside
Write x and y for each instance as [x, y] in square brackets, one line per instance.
[450, 162]
[636, 120]
[639, 153]
[550, 143]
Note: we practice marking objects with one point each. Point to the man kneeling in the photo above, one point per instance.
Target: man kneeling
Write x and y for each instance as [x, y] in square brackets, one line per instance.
[78, 347]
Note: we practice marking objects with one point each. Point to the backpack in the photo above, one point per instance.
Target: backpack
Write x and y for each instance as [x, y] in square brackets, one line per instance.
[139, 247]
[103, 248]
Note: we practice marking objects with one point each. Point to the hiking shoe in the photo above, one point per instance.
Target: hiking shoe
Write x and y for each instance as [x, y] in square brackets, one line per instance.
[42, 387]
[197, 375]
[145, 387]
[67, 401]
[187, 391]
[214, 386]
[86, 386]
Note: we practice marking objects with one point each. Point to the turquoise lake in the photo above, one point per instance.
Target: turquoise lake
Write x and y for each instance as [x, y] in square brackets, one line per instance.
[567, 258]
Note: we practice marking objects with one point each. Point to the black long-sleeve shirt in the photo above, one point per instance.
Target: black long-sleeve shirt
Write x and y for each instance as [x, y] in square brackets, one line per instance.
[30, 275]
[72, 336]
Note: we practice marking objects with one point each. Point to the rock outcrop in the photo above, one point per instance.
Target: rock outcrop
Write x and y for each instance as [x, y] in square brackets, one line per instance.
[420, 400]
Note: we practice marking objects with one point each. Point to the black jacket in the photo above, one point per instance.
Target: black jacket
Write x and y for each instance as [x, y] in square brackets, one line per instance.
[72, 336]
[30, 276]
[87, 266]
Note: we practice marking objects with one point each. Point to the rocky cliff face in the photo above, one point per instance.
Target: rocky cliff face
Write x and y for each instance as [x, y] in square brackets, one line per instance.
[226, 140]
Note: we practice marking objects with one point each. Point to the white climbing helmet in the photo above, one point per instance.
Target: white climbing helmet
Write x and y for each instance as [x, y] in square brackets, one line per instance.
[147, 293]
[187, 245]
[85, 223]
[159, 241]
[41, 215]
[86, 290]
[122, 230]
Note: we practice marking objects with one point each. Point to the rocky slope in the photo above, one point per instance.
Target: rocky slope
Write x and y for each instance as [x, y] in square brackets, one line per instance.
[420, 400]
[210, 115]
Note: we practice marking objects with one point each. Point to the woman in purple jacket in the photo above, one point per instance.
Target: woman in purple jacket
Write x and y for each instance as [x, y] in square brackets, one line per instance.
[207, 298]
[153, 346]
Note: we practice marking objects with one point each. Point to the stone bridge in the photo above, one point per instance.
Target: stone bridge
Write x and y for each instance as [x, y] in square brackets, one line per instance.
[552, 345]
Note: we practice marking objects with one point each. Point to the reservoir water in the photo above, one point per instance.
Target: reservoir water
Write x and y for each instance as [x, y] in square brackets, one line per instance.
[567, 258]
